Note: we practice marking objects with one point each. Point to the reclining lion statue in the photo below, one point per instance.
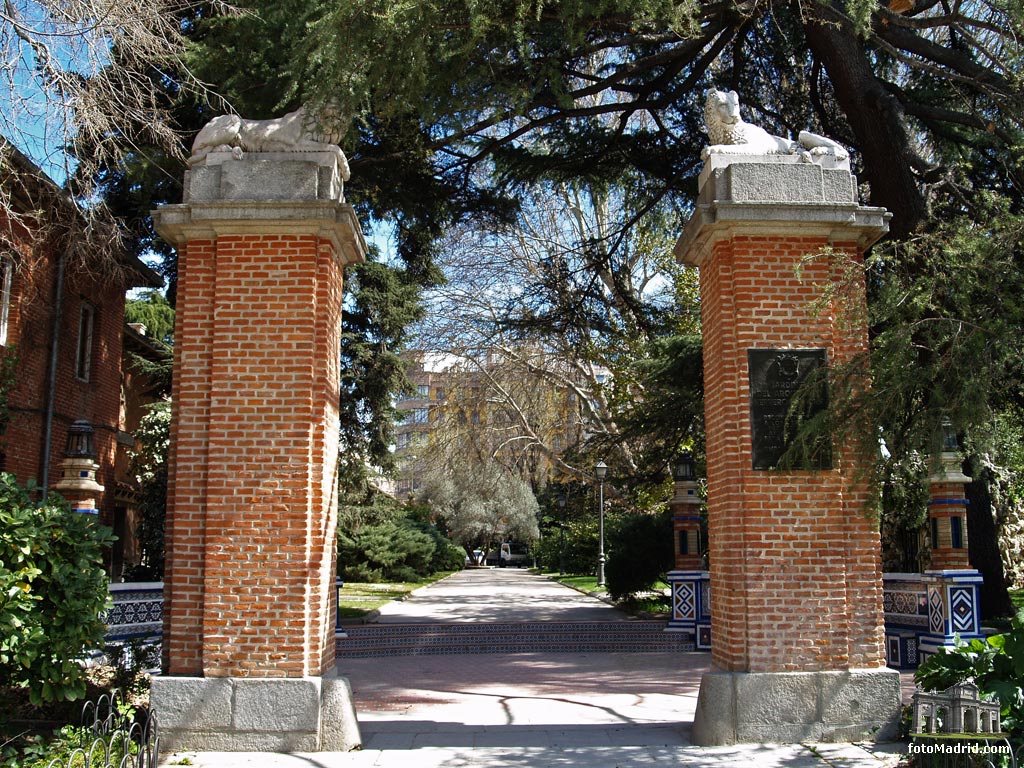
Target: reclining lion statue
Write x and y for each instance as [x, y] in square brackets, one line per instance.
[294, 132]
[729, 134]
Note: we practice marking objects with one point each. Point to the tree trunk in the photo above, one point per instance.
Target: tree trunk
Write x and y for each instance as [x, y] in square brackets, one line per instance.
[983, 546]
[874, 115]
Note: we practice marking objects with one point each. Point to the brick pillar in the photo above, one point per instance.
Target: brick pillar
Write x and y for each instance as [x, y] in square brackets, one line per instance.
[796, 591]
[249, 617]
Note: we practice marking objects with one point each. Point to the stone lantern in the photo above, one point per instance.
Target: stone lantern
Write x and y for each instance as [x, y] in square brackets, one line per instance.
[685, 506]
[690, 585]
[947, 506]
[951, 585]
[78, 468]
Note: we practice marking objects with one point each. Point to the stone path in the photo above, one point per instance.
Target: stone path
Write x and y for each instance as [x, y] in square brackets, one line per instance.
[496, 595]
[534, 710]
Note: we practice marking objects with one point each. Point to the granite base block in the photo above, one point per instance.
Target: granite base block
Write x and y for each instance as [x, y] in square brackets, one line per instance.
[790, 707]
[224, 714]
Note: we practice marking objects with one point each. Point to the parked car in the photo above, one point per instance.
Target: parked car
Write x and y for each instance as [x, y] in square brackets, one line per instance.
[513, 553]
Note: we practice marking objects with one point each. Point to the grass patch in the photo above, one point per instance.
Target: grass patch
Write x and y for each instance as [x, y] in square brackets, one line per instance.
[585, 583]
[653, 602]
[355, 600]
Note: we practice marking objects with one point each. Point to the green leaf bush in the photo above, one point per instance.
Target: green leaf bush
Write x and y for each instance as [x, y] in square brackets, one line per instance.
[995, 665]
[575, 547]
[53, 590]
[640, 554]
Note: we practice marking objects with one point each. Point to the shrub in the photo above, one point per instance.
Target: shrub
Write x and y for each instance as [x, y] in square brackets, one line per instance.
[52, 591]
[996, 665]
[641, 554]
[387, 552]
[580, 547]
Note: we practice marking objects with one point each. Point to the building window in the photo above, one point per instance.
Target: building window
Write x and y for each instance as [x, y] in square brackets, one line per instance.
[420, 416]
[423, 390]
[684, 542]
[83, 356]
[6, 270]
[439, 393]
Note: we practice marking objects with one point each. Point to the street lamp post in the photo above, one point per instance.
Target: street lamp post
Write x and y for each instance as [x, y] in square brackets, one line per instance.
[561, 536]
[600, 470]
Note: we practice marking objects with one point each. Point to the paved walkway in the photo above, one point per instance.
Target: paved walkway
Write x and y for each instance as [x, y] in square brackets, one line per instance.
[532, 710]
[496, 595]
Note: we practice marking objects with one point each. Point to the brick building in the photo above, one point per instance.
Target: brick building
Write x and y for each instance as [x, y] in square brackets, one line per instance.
[61, 329]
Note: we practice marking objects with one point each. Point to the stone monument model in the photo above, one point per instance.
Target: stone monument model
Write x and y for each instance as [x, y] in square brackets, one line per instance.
[796, 590]
[263, 237]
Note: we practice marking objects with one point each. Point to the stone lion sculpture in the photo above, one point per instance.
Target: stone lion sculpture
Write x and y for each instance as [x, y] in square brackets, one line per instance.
[729, 134]
[294, 132]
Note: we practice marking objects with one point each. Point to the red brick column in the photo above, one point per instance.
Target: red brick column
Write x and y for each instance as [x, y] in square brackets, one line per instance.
[252, 512]
[794, 554]
[252, 503]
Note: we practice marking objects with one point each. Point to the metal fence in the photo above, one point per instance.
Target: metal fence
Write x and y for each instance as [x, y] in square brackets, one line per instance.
[113, 735]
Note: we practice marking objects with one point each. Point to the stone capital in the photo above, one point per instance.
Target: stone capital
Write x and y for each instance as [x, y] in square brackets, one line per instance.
[752, 194]
[333, 221]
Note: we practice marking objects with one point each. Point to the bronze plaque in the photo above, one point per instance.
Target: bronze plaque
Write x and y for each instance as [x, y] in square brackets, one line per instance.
[787, 387]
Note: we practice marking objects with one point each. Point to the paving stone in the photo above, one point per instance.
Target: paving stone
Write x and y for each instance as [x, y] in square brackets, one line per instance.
[535, 710]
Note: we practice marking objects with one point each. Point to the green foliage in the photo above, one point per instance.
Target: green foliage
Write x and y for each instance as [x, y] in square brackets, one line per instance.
[575, 546]
[130, 662]
[75, 746]
[154, 311]
[670, 415]
[482, 504]
[52, 591]
[8, 362]
[1002, 460]
[949, 318]
[640, 553]
[904, 510]
[402, 550]
[383, 539]
[995, 665]
[149, 465]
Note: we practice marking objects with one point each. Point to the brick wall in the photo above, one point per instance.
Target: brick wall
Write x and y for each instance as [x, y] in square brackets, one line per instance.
[794, 555]
[30, 337]
[251, 557]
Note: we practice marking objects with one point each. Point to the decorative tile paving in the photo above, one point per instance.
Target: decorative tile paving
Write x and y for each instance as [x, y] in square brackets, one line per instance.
[551, 637]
